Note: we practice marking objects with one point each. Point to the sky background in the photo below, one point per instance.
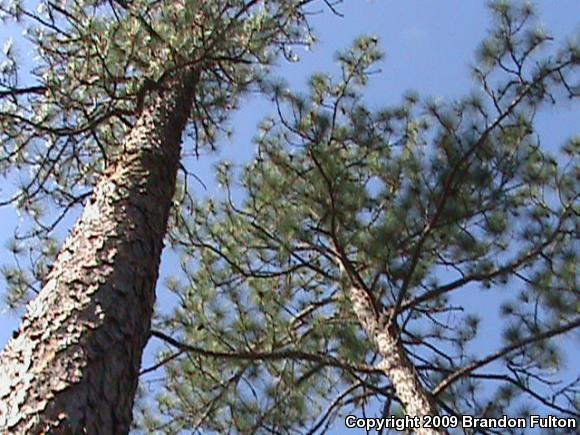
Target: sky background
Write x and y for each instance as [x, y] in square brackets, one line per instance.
[429, 46]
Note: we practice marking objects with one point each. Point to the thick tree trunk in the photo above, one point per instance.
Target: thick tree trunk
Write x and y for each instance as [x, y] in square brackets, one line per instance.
[396, 364]
[73, 368]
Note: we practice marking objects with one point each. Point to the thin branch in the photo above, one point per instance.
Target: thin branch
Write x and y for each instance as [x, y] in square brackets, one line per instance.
[13, 92]
[266, 356]
[443, 385]
[161, 363]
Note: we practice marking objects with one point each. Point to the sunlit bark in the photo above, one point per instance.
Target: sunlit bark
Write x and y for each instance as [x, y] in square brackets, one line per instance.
[73, 368]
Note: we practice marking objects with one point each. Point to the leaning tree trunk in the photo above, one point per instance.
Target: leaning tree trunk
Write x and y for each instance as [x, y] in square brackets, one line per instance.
[73, 367]
[395, 364]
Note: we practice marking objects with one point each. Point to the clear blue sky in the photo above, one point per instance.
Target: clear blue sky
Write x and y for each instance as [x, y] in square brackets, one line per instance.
[428, 46]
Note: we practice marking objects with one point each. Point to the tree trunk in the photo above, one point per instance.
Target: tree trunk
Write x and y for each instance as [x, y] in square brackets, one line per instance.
[73, 368]
[396, 364]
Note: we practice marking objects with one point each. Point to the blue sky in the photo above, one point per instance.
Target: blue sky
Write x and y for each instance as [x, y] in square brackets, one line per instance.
[428, 46]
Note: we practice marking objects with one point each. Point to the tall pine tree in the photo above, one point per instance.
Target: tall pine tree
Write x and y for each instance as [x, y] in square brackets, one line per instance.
[99, 119]
[332, 278]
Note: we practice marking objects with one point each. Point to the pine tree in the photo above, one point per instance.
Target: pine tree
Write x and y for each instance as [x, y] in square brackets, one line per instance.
[331, 277]
[100, 118]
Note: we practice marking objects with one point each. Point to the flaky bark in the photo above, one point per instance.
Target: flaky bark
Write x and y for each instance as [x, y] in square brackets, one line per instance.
[73, 368]
[395, 362]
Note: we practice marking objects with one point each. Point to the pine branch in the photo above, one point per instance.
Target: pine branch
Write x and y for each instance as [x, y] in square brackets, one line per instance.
[450, 182]
[252, 355]
[512, 266]
[443, 385]
[14, 92]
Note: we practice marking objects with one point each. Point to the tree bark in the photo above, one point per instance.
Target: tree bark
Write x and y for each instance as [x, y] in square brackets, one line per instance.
[396, 364]
[73, 367]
